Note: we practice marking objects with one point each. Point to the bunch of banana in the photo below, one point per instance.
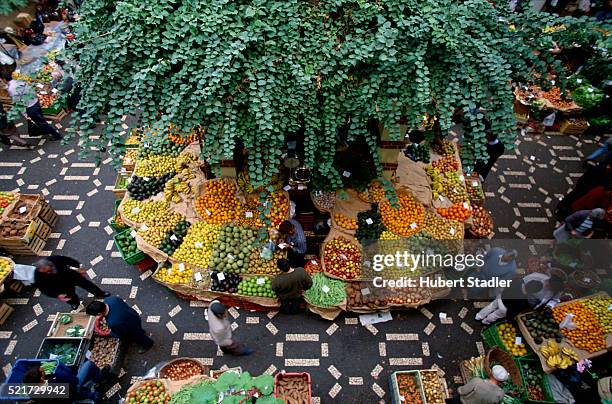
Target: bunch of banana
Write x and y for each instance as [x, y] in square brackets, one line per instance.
[184, 160]
[179, 184]
[556, 357]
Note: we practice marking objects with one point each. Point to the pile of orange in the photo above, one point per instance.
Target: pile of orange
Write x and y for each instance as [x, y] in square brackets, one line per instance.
[175, 135]
[278, 203]
[588, 335]
[374, 193]
[219, 204]
[445, 164]
[405, 220]
[345, 222]
[456, 212]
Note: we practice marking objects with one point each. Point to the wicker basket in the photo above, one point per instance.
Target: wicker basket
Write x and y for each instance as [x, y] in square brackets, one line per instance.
[498, 355]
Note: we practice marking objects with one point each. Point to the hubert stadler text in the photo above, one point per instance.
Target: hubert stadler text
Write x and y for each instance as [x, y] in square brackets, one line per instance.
[426, 282]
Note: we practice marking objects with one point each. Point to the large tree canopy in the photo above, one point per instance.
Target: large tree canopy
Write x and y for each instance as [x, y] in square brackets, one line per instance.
[255, 70]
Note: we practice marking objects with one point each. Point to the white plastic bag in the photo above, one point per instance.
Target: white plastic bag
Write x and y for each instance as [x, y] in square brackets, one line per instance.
[550, 119]
[24, 273]
[568, 322]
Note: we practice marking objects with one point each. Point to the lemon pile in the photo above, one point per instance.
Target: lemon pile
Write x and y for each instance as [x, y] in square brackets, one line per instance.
[141, 212]
[175, 274]
[197, 245]
[155, 166]
[5, 267]
[387, 235]
[508, 333]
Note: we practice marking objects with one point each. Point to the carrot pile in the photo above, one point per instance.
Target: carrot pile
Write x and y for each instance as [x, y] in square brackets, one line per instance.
[409, 388]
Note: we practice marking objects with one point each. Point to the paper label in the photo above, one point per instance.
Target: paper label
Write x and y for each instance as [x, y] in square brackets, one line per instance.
[532, 158]
[146, 178]
[43, 93]
[452, 231]
[474, 183]
[587, 280]
[344, 257]
[346, 174]
[518, 341]
[39, 85]
[230, 257]
[369, 221]
[413, 225]
[552, 82]
[610, 307]
[207, 212]
[440, 197]
[248, 214]
[365, 291]
[23, 209]
[197, 276]
[198, 244]
[287, 187]
[173, 237]
[313, 262]
[135, 210]
[54, 91]
[442, 315]
[461, 177]
[144, 227]
[325, 289]
[261, 281]
[578, 81]
[181, 267]
[590, 90]
[465, 205]
[221, 276]
[133, 234]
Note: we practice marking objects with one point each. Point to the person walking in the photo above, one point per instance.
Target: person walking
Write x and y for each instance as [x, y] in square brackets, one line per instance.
[289, 286]
[54, 278]
[8, 131]
[578, 225]
[602, 150]
[495, 148]
[23, 94]
[483, 391]
[221, 330]
[293, 239]
[123, 321]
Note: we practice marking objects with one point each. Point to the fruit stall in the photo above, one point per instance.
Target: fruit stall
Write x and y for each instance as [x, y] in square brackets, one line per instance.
[26, 222]
[212, 239]
[6, 269]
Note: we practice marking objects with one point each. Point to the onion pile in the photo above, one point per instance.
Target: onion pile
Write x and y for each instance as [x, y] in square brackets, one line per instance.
[181, 370]
[482, 225]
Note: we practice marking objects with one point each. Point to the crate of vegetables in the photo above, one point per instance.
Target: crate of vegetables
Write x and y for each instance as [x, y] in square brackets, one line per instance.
[535, 381]
[121, 184]
[72, 325]
[573, 126]
[294, 388]
[434, 389]
[406, 387]
[67, 350]
[107, 351]
[126, 244]
[116, 222]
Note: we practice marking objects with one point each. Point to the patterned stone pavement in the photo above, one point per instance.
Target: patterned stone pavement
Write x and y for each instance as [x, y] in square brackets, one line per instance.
[345, 359]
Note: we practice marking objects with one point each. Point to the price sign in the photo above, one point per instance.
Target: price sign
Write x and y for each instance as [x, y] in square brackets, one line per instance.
[532, 158]
[461, 177]
[344, 257]
[287, 187]
[133, 234]
[146, 178]
[221, 276]
[413, 225]
[325, 289]
[135, 210]
[465, 205]
[43, 93]
[181, 267]
[441, 198]
[369, 221]
[552, 82]
[518, 341]
[197, 276]
[578, 81]
[40, 85]
[261, 281]
[144, 227]
[54, 91]
[248, 214]
[313, 262]
[452, 231]
[230, 257]
[365, 291]
[198, 244]
[173, 237]
[22, 209]
[590, 90]
[442, 315]
[207, 212]
[474, 183]
[346, 174]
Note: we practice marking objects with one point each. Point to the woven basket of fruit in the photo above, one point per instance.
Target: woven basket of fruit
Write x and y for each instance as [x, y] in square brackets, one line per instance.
[497, 356]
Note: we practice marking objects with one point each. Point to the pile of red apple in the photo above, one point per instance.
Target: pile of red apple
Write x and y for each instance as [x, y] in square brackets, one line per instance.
[342, 258]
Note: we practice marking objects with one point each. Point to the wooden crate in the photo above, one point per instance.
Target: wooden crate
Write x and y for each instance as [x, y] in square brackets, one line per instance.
[47, 214]
[120, 192]
[5, 312]
[58, 329]
[568, 127]
[33, 247]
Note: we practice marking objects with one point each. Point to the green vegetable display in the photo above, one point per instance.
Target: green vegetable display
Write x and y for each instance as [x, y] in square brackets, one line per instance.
[370, 225]
[601, 121]
[587, 96]
[256, 286]
[127, 244]
[418, 152]
[65, 319]
[76, 331]
[325, 292]
[48, 367]
[65, 353]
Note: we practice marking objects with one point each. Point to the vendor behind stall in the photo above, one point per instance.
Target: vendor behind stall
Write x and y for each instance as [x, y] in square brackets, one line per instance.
[483, 391]
[293, 240]
[81, 383]
[30, 30]
[289, 286]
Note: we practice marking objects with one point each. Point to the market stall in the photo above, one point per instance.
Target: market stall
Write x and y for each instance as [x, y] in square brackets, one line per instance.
[423, 386]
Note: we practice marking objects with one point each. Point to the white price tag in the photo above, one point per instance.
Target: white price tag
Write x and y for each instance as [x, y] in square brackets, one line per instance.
[587, 280]
[23, 209]
[518, 341]
[346, 174]
[248, 214]
[146, 178]
[442, 315]
[313, 262]
[261, 281]
[145, 145]
[198, 244]
[88, 354]
[369, 221]
[221, 276]
[344, 257]
[173, 237]
[54, 91]
[532, 158]
[465, 205]
[474, 183]
[144, 227]
[590, 90]
[365, 291]
[39, 85]
[133, 234]
[287, 187]
[207, 212]
[197, 276]
[135, 210]
[325, 289]
[461, 177]
[578, 81]
[181, 267]
[301, 187]
[552, 82]
[610, 307]
[413, 225]
[230, 257]
[43, 93]
[452, 231]
[441, 198]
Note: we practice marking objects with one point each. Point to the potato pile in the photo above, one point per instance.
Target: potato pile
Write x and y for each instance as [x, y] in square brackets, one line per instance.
[294, 389]
[13, 228]
[140, 212]
[408, 295]
[362, 294]
[104, 350]
[432, 388]
[181, 370]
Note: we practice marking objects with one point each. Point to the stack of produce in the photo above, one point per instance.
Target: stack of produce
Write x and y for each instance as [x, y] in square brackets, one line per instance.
[454, 187]
[589, 334]
[557, 99]
[437, 181]
[293, 388]
[174, 238]
[600, 307]
[233, 248]
[508, 333]
[445, 164]
[387, 235]
[408, 296]
[250, 214]
[409, 388]
[323, 199]
[177, 136]
[5, 267]
[155, 166]
[103, 351]
[325, 292]
[177, 274]
[13, 228]
[5, 200]
[345, 222]
[141, 212]
[181, 369]
[129, 157]
[542, 326]
[153, 146]
[475, 192]
[234, 387]
[342, 258]
[178, 185]
[447, 149]
[556, 356]
[417, 152]
[313, 266]
[362, 294]
[154, 230]
[219, 204]
[260, 286]
[224, 282]
[127, 244]
[260, 265]
[197, 246]
[432, 388]
[370, 225]
[152, 391]
[374, 193]
[404, 220]
[458, 212]
[277, 208]
[482, 224]
[533, 382]
[141, 188]
[441, 228]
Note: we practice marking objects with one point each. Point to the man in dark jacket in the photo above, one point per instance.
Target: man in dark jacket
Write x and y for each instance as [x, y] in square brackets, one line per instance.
[54, 278]
[289, 285]
[122, 320]
[495, 148]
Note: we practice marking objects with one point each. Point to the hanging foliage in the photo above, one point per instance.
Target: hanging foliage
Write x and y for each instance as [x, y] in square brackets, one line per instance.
[256, 70]
[8, 6]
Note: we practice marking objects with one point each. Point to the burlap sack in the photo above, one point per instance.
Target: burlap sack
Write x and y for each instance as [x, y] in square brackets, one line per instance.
[328, 313]
[152, 251]
[349, 207]
[411, 176]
